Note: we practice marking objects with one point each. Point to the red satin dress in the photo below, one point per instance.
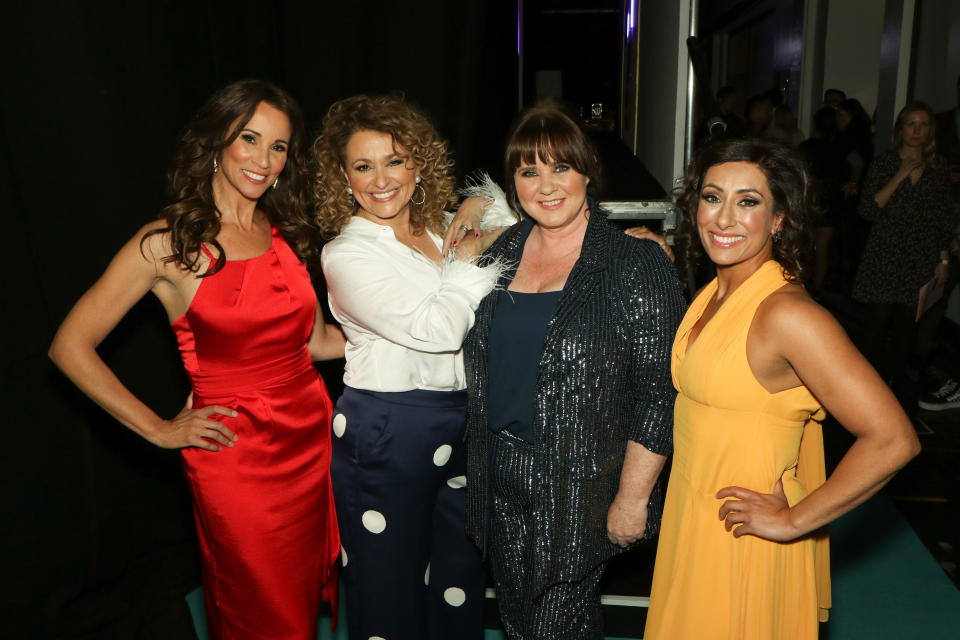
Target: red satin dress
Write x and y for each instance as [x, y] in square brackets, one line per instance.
[264, 507]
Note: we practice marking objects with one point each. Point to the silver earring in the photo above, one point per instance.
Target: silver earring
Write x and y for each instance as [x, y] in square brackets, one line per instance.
[418, 179]
[777, 236]
[275, 183]
[349, 190]
[423, 195]
[216, 167]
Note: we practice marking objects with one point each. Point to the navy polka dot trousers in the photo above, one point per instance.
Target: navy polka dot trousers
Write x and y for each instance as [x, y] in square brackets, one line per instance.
[399, 472]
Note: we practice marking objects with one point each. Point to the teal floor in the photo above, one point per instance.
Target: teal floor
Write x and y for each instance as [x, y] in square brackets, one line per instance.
[886, 584]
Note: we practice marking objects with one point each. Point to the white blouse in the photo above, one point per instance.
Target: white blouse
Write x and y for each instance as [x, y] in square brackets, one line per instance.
[404, 316]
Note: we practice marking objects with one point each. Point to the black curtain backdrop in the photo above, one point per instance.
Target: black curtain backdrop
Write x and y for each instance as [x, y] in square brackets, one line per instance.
[97, 530]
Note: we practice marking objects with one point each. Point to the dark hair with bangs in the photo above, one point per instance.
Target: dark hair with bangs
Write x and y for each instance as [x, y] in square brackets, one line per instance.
[544, 131]
[788, 182]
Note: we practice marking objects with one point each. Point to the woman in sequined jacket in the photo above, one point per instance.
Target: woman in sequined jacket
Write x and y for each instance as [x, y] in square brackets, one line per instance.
[562, 479]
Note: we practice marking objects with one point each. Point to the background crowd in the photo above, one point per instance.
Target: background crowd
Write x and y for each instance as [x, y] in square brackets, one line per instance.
[871, 259]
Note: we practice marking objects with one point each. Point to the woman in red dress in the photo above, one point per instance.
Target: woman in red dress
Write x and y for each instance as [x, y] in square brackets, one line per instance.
[226, 261]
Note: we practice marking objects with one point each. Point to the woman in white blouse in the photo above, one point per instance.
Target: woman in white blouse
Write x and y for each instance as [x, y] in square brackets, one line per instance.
[383, 182]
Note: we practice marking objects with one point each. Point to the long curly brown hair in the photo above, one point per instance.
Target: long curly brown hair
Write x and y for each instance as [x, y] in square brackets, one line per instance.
[410, 129]
[929, 151]
[793, 197]
[193, 218]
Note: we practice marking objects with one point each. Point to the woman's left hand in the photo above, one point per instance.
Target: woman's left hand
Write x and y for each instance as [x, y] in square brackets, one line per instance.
[644, 233]
[626, 521]
[466, 222]
[765, 515]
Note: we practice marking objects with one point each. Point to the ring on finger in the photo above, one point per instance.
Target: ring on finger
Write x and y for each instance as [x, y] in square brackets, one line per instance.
[465, 228]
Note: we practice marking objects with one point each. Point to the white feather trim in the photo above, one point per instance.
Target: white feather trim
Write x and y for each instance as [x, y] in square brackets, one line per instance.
[499, 214]
[466, 272]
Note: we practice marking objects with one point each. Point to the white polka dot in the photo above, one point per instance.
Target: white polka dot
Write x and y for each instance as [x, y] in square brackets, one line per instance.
[426, 575]
[457, 482]
[339, 425]
[454, 596]
[343, 556]
[442, 455]
[374, 521]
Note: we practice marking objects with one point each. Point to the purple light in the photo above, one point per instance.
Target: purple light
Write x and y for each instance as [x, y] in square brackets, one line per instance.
[631, 17]
[519, 5]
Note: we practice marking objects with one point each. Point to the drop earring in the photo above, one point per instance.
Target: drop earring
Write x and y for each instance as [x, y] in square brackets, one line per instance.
[423, 193]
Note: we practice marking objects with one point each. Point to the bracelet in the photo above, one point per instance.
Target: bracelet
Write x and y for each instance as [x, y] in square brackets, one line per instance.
[943, 261]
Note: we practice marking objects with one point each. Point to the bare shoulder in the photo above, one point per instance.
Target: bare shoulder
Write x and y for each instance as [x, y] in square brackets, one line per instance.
[789, 318]
[151, 242]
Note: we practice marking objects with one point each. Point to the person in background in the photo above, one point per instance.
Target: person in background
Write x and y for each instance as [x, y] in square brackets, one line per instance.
[828, 170]
[944, 392]
[833, 97]
[741, 554]
[856, 141]
[855, 147]
[784, 129]
[383, 180]
[226, 260]
[721, 119]
[906, 197]
[728, 103]
[759, 112]
[569, 394]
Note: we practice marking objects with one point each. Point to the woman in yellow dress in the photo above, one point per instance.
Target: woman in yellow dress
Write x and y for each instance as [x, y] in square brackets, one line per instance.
[756, 361]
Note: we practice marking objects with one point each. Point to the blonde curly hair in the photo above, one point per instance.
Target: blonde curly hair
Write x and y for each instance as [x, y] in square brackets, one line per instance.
[409, 129]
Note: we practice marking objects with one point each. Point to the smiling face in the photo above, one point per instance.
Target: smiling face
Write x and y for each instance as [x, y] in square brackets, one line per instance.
[382, 176]
[554, 194]
[255, 159]
[735, 217]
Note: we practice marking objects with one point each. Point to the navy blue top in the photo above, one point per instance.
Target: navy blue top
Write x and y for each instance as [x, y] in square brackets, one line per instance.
[516, 344]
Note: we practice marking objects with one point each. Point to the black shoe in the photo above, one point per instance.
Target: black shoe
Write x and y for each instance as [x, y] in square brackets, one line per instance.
[946, 397]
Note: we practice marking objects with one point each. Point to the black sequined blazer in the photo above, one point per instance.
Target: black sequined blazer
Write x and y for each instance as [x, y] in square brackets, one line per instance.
[604, 378]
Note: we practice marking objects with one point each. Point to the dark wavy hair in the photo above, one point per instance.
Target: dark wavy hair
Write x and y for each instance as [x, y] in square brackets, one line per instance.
[792, 196]
[545, 131]
[409, 128]
[193, 218]
[929, 151]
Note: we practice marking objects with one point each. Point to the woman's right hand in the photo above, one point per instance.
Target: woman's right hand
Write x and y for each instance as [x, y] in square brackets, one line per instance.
[194, 428]
[882, 196]
[907, 167]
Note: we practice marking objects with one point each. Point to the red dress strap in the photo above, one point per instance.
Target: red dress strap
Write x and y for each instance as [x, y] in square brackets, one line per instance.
[203, 248]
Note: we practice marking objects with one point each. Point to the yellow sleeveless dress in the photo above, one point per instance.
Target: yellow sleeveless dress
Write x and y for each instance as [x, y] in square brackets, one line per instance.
[729, 430]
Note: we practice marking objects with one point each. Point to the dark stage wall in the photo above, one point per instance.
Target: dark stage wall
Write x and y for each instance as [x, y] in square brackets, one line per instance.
[97, 533]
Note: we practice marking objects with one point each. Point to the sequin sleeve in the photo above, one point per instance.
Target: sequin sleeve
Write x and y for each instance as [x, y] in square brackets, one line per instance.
[653, 307]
